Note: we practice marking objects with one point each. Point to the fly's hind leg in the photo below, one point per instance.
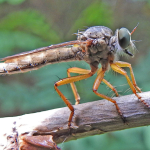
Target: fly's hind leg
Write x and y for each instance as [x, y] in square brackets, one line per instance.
[97, 82]
[74, 89]
[117, 68]
[84, 71]
[71, 80]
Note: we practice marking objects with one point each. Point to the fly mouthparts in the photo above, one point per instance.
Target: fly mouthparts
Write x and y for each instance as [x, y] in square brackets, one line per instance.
[129, 53]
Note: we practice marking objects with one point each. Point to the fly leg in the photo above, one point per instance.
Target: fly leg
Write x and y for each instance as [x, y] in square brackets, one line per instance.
[116, 68]
[111, 87]
[84, 71]
[108, 84]
[71, 80]
[97, 82]
[125, 64]
[74, 89]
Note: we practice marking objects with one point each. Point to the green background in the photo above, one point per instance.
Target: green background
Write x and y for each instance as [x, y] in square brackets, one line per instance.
[26, 25]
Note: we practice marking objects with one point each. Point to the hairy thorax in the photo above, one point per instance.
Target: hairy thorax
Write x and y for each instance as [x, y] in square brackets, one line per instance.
[101, 48]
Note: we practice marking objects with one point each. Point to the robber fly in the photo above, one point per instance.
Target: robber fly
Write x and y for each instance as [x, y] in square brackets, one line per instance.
[96, 45]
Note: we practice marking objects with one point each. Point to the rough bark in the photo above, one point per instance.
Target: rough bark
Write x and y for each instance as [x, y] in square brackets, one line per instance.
[91, 118]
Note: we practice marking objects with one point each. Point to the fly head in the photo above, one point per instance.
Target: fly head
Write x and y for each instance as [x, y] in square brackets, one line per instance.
[124, 41]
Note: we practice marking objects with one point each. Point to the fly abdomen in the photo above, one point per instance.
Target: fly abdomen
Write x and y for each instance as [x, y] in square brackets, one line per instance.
[34, 61]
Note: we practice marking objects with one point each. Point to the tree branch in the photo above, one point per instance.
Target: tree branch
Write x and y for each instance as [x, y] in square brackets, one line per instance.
[91, 118]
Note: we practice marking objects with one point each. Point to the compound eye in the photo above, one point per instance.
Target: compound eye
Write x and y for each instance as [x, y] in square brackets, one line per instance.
[124, 37]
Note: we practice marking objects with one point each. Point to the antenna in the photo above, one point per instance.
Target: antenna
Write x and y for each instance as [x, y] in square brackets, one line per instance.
[134, 29]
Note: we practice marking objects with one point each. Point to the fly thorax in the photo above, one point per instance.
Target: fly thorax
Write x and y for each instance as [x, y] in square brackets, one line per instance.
[99, 52]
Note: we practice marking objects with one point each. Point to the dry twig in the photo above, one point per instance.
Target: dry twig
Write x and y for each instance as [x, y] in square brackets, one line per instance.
[91, 118]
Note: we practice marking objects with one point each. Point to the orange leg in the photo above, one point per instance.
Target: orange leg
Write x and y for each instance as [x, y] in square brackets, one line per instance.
[84, 71]
[116, 68]
[74, 89]
[110, 86]
[97, 82]
[70, 80]
[125, 64]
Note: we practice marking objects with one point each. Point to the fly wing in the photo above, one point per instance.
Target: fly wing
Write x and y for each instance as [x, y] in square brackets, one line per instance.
[43, 49]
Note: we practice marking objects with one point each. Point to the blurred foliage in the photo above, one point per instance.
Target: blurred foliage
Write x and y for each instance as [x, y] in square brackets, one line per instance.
[30, 21]
[94, 15]
[119, 140]
[23, 30]
[27, 29]
[12, 2]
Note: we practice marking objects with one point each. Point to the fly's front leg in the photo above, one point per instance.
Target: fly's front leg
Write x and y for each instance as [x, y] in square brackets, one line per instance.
[116, 68]
[97, 82]
[125, 64]
[71, 80]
